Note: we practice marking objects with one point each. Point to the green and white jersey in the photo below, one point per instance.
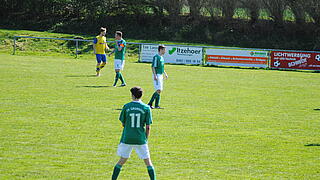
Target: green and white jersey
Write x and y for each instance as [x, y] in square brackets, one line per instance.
[135, 115]
[120, 54]
[158, 64]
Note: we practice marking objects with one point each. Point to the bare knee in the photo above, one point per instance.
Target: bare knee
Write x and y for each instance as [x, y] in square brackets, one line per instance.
[148, 162]
[122, 161]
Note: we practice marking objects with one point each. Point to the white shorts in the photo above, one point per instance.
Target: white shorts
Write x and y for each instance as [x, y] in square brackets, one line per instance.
[119, 64]
[158, 84]
[124, 150]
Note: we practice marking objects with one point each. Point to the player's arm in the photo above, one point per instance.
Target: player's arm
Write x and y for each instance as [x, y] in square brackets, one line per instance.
[122, 117]
[94, 49]
[148, 127]
[95, 40]
[111, 52]
[107, 47]
[153, 67]
[165, 74]
[148, 121]
[120, 46]
[154, 73]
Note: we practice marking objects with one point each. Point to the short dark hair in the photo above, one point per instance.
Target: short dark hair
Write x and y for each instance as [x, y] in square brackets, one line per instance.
[102, 29]
[137, 92]
[161, 46]
[119, 33]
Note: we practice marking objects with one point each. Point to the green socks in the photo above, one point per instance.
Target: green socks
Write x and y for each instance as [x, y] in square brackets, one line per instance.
[157, 100]
[154, 96]
[121, 78]
[151, 172]
[116, 171]
[118, 76]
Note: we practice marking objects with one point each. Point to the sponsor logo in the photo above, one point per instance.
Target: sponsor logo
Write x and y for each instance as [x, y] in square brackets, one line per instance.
[276, 64]
[186, 51]
[252, 53]
[172, 51]
[296, 63]
[292, 55]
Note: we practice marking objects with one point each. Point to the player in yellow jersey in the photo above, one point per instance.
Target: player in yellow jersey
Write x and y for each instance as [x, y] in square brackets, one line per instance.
[99, 48]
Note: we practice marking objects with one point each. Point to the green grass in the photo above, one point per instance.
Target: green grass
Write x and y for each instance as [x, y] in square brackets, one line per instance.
[60, 122]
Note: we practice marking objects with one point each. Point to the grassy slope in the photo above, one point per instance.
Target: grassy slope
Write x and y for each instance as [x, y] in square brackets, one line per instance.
[60, 122]
[58, 47]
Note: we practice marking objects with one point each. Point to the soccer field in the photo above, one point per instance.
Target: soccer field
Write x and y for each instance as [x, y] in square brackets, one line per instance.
[59, 121]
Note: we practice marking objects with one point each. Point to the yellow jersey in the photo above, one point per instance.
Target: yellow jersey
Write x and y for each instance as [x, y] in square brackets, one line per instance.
[101, 44]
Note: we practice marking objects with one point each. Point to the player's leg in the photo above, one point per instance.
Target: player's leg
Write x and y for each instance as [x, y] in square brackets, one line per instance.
[143, 153]
[150, 168]
[154, 95]
[117, 67]
[156, 84]
[123, 82]
[104, 61]
[124, 151]
[98, 57]
[117, 168]
[159, 90]
[117, 71]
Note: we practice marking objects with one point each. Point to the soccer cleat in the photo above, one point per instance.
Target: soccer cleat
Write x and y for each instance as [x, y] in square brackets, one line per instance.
[150, 105]
[123, 85]
[98, 73]
[158, 107]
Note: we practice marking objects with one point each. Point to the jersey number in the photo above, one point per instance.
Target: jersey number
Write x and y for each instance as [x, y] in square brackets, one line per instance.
[135, 118]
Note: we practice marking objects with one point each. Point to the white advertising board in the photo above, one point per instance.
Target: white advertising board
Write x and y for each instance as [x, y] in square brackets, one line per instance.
[237, 57]
[174, 54]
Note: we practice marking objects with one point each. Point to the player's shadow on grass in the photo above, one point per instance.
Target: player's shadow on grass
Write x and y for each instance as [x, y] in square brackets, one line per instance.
[93, 86]
[312, 145]
[317, 109]
[80, 76]
[118, 109]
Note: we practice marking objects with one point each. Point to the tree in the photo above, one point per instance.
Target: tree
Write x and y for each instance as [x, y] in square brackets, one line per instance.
[228, 8]
[253, 9]
[312, 7]
[174, 8]
[195, 7]
[298, 10]
[275, 9]
[211, 6]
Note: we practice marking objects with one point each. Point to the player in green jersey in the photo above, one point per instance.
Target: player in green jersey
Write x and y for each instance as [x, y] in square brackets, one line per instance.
[136, 119]
[119, 51]
[157, 74]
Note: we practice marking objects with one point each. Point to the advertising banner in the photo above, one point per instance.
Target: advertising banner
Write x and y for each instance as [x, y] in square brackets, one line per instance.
[235, 57]
[174, 54]
[295, 60]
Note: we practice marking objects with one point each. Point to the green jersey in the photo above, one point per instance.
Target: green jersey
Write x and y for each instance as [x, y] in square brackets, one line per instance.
[134, 116]
[158, 64]
[120, 54]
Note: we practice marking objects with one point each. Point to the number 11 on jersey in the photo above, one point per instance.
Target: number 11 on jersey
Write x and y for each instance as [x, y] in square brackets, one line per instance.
[133, 118]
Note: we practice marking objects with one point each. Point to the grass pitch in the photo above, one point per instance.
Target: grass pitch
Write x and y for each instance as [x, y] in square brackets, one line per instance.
[58, 121]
